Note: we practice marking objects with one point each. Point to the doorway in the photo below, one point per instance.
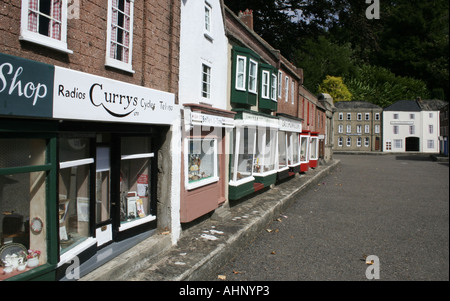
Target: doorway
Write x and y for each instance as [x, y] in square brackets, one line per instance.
[412, 144]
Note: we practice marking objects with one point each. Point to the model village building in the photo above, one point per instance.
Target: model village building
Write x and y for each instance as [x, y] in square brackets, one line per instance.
[357, 126]
[129, 118]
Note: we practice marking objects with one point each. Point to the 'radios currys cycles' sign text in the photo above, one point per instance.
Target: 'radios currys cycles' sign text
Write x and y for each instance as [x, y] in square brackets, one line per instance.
[83, 96]
[26, 87]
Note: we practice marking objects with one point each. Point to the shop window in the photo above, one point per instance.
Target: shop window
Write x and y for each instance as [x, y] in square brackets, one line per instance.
[135, 182]
[242, 159]
[314, 148]
[23, 195]
[293, 149]
[266, 150]
[201, 157]
[282, 149]
[74, 192]
[304, 148]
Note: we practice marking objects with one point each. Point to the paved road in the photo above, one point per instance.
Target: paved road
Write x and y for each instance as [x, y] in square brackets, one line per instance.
[394, 207]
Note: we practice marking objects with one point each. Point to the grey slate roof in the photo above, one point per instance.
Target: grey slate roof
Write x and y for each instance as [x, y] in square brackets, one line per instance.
[416, 105]
[355, 105]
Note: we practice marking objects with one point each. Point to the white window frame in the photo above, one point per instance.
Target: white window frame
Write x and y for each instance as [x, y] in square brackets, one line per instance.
[430, 129]
[109, 61]
[395, 116]
[341, 116]
[349, 116]
[207, 83]
[377, 128]
[367, 116]
[412, 130]
[359, 116]
[214, 178]
[37, 38]
[274, 87]
[280, 83]
[398, 143]
[366, 129]
[286, 89]
[340, 128]
[349, 142]
[340, 141]
[358, 129]
[412, 116]
[430, 143]
[358, 142]
[395, 129]
[366, 142]
[253, 78]
[234, 181]
[242, 72]
[349, 128]
[208, 15]
[377, 116]
[265, 93]
[292, 92]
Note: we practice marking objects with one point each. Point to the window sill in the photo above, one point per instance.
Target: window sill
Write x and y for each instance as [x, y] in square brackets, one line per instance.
[119, 65]
[202, 183]
[208, 37]
[46, 42]
[242, 181]
[137, 222]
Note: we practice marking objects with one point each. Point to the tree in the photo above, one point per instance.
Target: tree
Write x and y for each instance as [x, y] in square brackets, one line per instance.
[335, 86]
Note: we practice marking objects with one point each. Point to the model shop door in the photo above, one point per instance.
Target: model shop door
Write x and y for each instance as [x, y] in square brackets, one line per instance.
[103, 195]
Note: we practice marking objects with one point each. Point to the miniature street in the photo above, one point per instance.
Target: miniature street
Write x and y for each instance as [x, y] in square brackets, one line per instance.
[393, 206]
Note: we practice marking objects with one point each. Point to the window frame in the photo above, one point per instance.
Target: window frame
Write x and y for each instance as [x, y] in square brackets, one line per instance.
[206, 83]
[265, 84]
[274, 84]
[252, 78]
[36, 37]
[243, 73]
[286, 89]
[212, 179]
[112, 62]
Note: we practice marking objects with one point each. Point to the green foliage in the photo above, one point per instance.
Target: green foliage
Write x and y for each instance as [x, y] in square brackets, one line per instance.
[380, 86]
[335, 86]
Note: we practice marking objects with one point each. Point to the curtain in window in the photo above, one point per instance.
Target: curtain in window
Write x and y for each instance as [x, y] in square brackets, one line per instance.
[32, 15]
[120, 30]
[55, 24]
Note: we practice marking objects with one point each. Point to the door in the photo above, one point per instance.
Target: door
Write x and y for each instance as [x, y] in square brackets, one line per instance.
[412, 144]
[377, 143]
[103, 195]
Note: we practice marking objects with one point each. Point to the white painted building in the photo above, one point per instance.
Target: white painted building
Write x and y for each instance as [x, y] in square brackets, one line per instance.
[411, 126]
[203, 91]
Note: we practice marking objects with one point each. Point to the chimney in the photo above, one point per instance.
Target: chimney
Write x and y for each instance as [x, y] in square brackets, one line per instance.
[247, 17]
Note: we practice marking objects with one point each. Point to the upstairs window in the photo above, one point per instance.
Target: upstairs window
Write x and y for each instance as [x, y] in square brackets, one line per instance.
[120, 34]
[274, 87]
[45, 22]
[240, 72]
[252, 76]
[206, 81]
[265, 84]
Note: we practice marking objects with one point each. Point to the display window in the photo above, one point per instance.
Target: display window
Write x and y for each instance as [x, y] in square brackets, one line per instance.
[266, 142]
[201, 162]
[282, 149]
[293, 149]
[74, 200]
[304, 149]
[135, 180]
[314, 148]
[24, 170]
[242, 159]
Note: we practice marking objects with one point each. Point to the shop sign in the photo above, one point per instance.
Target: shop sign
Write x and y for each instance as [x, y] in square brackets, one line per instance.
[198, 118]
[83, 96]
[289, 125]
[258, 120]
[25, 87]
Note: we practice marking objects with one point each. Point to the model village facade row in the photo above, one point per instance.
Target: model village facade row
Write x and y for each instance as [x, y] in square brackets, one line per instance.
[130, 118]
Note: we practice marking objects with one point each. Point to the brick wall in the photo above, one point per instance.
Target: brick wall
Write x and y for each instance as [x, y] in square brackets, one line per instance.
[156, 33]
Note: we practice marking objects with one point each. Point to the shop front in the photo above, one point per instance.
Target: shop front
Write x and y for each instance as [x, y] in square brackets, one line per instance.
[253, 158]
[304, 150]
[78, 169]
[203, 170]
[288, 146]
[314, 149]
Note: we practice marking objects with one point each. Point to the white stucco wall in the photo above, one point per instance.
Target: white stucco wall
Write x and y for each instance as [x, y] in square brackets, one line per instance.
[198, 47]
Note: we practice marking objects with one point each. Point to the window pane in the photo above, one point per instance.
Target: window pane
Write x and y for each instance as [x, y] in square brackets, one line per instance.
[71, 149]
[282, 149]
[22, 152]
[201, 162]
[245, 157]
[74, 202]
[303, 148]
[23, 200]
